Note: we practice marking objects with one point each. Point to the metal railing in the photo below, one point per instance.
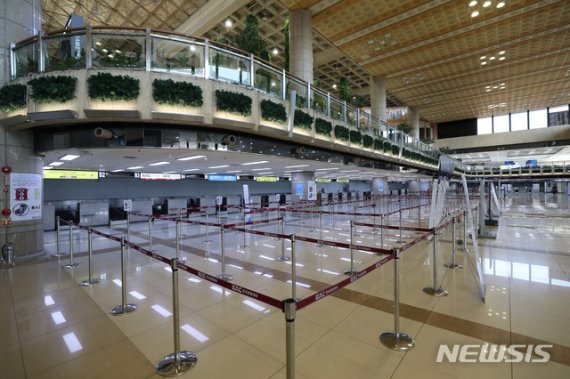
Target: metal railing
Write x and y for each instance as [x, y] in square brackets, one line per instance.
[158, 51]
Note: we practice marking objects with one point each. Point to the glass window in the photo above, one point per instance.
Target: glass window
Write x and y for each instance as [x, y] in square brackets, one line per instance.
[501, 124]
[558, 115]
[537, 119]
[519, 121]
[484, 125]
[560, 108]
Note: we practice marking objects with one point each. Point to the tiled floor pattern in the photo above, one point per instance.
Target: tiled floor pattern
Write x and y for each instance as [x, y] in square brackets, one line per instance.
[52, 328]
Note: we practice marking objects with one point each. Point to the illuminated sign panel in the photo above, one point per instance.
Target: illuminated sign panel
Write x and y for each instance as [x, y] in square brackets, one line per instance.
[68, 174]
[157, 176]
[322, 180]
[266, 179]
[222, 178]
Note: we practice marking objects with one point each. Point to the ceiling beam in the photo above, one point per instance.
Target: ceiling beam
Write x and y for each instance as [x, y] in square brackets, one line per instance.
[211, 14]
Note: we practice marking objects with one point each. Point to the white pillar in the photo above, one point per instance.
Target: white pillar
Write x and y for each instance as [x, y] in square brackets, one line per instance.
[378, 97]
[380, 186]
[19, 19]
[414, 120]
[301, 44]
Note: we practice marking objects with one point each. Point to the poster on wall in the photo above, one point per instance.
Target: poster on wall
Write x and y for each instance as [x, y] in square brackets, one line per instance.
[25, 196]
[311, 190]
[299, 189]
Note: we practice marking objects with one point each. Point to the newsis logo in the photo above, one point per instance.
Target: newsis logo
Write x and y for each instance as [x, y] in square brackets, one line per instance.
[489, 353]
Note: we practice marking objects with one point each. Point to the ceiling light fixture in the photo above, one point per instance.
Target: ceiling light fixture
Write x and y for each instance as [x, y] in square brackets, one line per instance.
[474, 13]
[297, 166]
[473, 3]
[118, 170]
[191, 157]
[159, 163]
[500, 5]
[56, 163]
[134, 167]
[261, 169]
[221, 166]
[228, 23]
[192, 169]
[254, 163]
[275, 51]
[69, 157]
[486, 4]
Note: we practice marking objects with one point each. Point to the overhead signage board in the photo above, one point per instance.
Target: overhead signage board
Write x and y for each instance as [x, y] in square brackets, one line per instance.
[158, 176]
[323, 180]
[222, 178]
[266, 179]
[344, 181]
[70, 174]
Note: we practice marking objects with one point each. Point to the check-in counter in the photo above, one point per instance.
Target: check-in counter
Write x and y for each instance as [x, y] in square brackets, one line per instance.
[94, 213]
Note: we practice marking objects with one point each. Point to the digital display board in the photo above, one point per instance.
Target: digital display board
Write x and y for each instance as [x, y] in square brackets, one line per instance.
[222, 178]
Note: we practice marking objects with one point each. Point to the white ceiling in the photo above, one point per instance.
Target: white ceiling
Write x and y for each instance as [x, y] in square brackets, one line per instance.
[541, 154]
[111, 159]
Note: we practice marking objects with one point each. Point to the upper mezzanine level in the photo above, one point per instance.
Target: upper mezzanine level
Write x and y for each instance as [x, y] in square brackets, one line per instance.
[170, 78]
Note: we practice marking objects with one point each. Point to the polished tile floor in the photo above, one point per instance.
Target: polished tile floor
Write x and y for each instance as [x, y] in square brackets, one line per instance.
[50, 327]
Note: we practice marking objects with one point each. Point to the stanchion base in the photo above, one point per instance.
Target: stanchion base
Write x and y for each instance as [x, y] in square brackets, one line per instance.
[176, 364]
[283, 259]
[71, 265]
[242, 246]
[397, 341]
[86, 283]
[226, 277]
[440, 292]
[207, 241]
[122, 309]
[57, 255]
[453, 266]
[350, 272]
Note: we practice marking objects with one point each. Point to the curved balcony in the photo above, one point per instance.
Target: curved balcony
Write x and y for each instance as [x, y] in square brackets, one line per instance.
[150, 57]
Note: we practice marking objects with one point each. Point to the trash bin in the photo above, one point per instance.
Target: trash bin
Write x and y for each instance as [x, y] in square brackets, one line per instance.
[8, 255]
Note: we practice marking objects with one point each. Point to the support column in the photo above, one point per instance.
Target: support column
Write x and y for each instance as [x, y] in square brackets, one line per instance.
[301, 44]
[19, 19]
[380, 186]
[378, 97]
[299, 185]
[414, 120]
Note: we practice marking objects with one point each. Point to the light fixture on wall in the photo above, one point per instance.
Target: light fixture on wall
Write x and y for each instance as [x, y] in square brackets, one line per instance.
[385, 41]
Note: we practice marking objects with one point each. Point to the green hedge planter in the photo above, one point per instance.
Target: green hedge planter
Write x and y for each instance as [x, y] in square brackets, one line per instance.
[12, 97]
[107, 87]
[355, 137]
[273, 111]
[303, 120]
[367, 142]
[176, 93]
[53, 89]
[378, 144]
[395, 150]
[341, 133]
[233, 102]
[323, 127]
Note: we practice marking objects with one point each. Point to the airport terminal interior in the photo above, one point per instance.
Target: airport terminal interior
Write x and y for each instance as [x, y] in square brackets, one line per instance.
[284, 189]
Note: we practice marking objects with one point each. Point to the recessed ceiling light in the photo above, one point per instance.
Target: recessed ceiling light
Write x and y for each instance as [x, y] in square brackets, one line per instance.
[221, 166]
[192, 169]
[501, 4]
[233, 172]
[134, 167]
[502, 52]
[483, 63]
[326, 169]
[48, 167]
[473, 3]
[275, 51]
[228, 23]
[56, 163]
[370, 42]
[492, 58]
[69, 157]
[297, 166]
[192, 157]
[266, 173]
[475, 14]
[261, 169]
[254, 163]
[118, 170]
[483, 57]
[159, 163]
[486, 4]
[334, 86]
[502, 58]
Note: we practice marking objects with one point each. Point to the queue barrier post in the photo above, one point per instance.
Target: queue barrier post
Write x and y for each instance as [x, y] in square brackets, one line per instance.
[90, 279]
[123, 307]
[244, 245]
[129, 226]
[177, 237]
[453, 265]
[321, 227]
[290, 308]
[207, 240]
[435, 290]
[150, 232]
[178, 362]
[395, 339]
[71, 264]
[293, 268]
[223, 275]
[57, 237]
[283, 257]
[351, 271]
[382, 230]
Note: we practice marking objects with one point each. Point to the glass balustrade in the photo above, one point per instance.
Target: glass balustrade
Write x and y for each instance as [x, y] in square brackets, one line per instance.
[105, 47]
